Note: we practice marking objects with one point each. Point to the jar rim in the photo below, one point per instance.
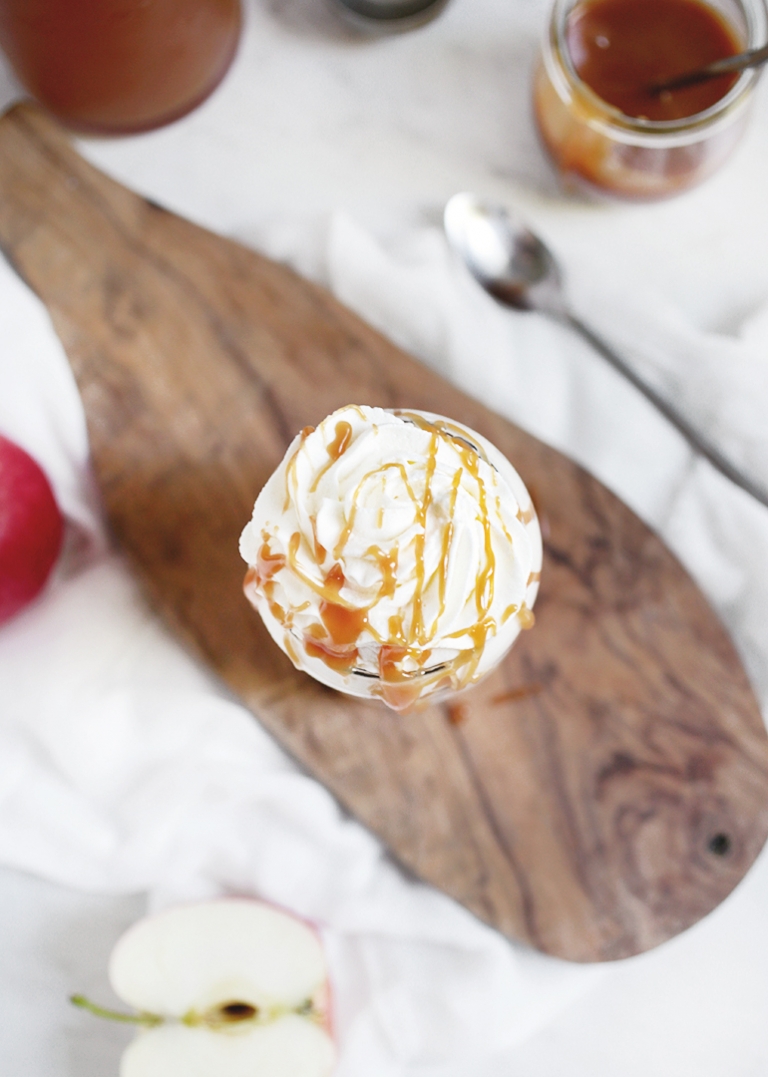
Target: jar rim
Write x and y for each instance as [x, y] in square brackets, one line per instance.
[756, 22]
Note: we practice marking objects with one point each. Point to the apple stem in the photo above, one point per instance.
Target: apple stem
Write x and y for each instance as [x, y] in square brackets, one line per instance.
[149, 1020]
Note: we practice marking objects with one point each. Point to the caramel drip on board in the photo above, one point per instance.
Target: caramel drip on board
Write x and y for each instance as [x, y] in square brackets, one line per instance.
[516, 694]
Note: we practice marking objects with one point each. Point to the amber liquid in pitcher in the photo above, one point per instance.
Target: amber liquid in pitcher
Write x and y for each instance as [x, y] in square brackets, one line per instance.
[116, 66]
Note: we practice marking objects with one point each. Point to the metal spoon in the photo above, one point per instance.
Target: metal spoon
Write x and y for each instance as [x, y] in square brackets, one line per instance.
[517, 269]
[739, 62]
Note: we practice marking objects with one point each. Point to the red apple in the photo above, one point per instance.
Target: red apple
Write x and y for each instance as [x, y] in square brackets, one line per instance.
[31, 529]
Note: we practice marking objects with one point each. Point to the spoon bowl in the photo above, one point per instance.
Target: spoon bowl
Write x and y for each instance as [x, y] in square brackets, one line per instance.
[502, 253]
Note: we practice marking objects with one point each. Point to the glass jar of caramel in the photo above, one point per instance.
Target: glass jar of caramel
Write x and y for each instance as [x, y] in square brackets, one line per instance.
[606, 127]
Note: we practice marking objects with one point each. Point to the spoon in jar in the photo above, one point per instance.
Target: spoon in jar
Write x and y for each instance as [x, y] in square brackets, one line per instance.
[740, 62]
[517, 269]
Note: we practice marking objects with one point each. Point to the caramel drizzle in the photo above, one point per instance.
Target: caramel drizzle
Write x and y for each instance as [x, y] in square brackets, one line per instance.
[500, 515]
[335, 639]
[320, 550]
[526, 515]
[418, 629]
[447, 540]
[337, 448]
[290, 470]
[526, 617]
[508, 613]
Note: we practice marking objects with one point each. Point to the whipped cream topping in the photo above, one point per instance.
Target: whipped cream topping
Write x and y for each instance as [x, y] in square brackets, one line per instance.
[393, 554]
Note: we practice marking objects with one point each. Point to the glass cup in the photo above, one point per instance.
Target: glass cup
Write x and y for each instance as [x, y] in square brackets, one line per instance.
[597, 149]
[117, 66]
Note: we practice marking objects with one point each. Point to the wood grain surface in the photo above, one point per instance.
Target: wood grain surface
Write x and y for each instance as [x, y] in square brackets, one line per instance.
[605, 788]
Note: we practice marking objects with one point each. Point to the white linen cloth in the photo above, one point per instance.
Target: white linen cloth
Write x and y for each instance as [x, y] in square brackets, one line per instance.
[125, 768]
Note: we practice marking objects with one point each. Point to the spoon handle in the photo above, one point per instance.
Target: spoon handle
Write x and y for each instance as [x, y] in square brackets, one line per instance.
[742, 60]
[696, 439]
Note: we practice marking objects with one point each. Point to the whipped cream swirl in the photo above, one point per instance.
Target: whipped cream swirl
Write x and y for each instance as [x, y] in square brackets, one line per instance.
[393, 554]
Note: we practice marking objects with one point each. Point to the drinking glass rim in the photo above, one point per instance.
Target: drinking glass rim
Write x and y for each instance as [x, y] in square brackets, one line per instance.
[756, 19]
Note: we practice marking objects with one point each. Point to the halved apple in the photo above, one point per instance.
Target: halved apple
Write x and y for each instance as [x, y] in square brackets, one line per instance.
[227, 988]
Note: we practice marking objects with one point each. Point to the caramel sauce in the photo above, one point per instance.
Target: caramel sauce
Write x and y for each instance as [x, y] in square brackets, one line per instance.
[290, 470]
[338, 549]
[445, 428]
[399, 689]
[620, 48]
[390, 659]
[387, 563]
[478, 633]
[526, 618]
[344, 624]
[277, 611]
[267, 564]
[458, 713]
[290, 649]
[526, 515]
[516, 694]
[320, 550]
[507, 535]
[259, 578]
[341, 442]
[397, 629]
[485, 578]
[340, 659]
[337, 448]
[446, 548]
[329, 588]
[334, 581]
[418, 630]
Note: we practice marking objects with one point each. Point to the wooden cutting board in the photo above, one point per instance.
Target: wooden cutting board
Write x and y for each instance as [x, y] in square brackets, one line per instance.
[601, 791]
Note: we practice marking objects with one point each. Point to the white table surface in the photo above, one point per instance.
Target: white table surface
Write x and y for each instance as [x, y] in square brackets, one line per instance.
[314, 121]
